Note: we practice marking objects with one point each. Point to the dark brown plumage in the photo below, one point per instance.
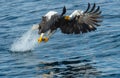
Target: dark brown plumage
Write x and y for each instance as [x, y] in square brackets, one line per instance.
[78, 22]
[83, 23]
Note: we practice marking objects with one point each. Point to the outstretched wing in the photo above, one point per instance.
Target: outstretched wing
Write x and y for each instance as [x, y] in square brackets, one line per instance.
[83, 23]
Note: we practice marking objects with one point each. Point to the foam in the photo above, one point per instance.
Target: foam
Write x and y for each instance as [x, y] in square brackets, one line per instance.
[26, 42]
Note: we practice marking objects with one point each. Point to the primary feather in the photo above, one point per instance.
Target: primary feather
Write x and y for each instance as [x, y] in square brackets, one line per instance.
[82, 22]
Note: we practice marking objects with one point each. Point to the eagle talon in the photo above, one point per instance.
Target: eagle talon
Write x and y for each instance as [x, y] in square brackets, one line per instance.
[45, 39]
[40, 39]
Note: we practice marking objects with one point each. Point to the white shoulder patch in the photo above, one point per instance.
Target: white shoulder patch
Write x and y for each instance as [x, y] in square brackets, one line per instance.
[76, 12]
[50, 13]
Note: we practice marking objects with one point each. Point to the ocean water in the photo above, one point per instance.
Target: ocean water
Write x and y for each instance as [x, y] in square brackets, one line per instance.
[91, 55]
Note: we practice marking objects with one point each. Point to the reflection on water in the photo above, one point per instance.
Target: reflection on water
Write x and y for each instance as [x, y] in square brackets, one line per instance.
[74, 67]
[67, 69]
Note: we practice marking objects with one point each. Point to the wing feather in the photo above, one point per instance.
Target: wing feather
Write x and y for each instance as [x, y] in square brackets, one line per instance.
[83, 23]
[93, 8]
[87, 8]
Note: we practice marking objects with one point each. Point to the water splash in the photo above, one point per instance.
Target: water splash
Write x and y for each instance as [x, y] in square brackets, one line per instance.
[26, 42]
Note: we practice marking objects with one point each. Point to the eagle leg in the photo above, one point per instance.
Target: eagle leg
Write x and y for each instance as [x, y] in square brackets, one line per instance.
[46, 38]
[40, 39]
[51, 32]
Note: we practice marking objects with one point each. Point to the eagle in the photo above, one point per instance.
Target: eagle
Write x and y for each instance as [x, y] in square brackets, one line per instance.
[78, 22]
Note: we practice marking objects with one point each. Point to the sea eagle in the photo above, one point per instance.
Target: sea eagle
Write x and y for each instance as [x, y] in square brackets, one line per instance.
[76, 23]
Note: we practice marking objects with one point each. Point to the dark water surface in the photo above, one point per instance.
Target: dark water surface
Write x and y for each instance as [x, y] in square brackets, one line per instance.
[91, 55]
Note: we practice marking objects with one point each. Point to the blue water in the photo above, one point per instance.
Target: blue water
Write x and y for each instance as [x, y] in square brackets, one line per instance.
[92, 55]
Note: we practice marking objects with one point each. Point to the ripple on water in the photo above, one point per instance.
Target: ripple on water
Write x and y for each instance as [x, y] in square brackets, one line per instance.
[68, 69]
[92, 55]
